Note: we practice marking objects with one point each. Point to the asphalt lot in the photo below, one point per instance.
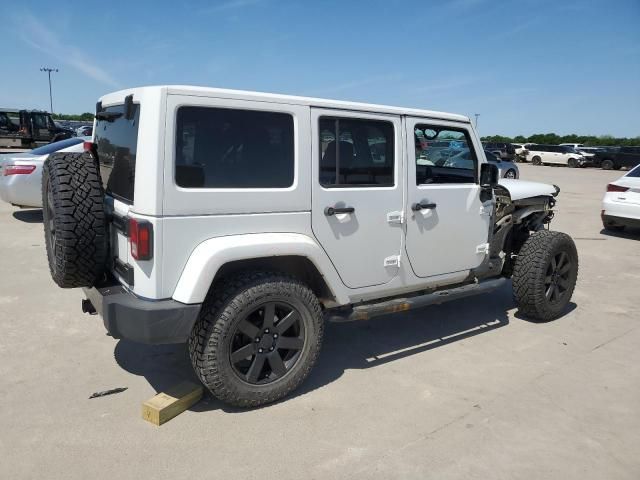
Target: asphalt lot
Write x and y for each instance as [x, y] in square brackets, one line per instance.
[464, 390]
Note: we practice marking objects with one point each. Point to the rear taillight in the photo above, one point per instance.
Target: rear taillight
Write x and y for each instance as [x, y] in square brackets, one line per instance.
[612, 187]
[18, 170]
[90, 147]
[141, 239]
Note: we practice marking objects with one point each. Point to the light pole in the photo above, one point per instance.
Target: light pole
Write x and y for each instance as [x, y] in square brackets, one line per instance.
[477, 115]
[49, 70]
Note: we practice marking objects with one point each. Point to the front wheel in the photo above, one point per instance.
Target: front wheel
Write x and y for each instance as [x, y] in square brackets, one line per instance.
[573, 163]
[545, 275]
[511, 173]
[257, 338]
[536, 160]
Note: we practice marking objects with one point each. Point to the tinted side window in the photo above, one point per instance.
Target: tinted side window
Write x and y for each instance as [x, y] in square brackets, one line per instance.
[356, 152]
[444, 155]
[224, 148]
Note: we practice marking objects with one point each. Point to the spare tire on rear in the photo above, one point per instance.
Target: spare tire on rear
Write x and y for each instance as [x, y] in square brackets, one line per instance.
[75, 226]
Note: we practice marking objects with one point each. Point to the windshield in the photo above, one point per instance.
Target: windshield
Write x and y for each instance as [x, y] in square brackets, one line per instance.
[55, 146]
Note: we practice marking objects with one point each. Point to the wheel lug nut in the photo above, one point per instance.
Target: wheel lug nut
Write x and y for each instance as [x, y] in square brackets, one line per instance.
[260, 350]
[266, 330]
[257, 339]
[275, 335]
[271, 349]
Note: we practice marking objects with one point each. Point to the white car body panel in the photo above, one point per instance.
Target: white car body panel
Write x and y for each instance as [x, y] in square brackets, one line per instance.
[25, 190]
[624, 204]
[519, 189]
[210, 255]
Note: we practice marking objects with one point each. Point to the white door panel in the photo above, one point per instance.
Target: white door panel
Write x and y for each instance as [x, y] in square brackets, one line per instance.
[363, 245]
[449, 234]
[446, 238]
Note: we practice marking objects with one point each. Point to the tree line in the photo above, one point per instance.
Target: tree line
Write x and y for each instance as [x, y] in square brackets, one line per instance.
[554, 139]
[83, 117]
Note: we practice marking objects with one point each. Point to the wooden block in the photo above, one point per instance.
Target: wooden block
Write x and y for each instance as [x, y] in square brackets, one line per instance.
[172, 402]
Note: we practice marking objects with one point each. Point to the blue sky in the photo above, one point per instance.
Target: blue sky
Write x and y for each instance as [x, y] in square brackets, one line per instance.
[526, 66]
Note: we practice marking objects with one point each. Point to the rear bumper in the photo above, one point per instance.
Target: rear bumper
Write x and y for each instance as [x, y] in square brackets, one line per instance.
[616, 209]
[613, 221]
[145, 321]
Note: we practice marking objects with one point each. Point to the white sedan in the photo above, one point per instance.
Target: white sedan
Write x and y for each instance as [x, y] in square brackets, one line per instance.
[621, 203]
[21, 173]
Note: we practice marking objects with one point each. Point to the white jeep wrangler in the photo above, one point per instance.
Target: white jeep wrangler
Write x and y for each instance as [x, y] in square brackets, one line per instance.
[239, 221]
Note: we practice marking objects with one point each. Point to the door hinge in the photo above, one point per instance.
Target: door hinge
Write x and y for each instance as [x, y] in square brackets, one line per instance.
[393, 261]
[482, 248]
[395, 217]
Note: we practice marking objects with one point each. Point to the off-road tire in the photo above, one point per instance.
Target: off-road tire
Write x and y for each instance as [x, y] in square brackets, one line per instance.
[226, 304]
[532, 268]
[536, 160]
[606, 164]
[75, 227]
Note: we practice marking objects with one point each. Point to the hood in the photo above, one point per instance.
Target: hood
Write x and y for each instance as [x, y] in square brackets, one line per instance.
[519, 189]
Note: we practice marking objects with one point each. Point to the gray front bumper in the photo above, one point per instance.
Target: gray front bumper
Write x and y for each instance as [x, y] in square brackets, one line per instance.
[146, 321]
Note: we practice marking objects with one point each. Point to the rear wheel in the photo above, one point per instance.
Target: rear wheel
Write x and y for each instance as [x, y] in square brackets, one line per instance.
[536, 160]
[258, 336]
[545, 275]
[606, 164]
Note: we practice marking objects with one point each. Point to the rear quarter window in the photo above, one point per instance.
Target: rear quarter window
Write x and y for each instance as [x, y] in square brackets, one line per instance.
[227, 148]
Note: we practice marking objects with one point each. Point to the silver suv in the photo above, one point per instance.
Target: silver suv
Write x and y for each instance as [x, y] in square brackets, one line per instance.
[239, 222]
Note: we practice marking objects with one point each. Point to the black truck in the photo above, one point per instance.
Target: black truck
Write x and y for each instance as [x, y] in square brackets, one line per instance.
[29, 129]
[617, 157]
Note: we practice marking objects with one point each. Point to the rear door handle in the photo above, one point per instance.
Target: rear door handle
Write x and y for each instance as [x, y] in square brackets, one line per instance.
[333, 210]
[416, 207]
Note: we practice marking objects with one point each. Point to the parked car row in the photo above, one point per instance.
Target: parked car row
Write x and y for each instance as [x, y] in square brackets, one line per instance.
[568, 154]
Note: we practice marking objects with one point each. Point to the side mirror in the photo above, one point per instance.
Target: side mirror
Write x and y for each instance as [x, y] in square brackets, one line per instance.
[489, 175]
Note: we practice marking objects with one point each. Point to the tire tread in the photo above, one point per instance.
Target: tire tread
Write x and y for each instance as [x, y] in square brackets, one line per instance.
[224, 300]
[80, 219]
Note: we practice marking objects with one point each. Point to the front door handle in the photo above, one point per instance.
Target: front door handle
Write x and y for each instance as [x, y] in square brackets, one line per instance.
[333, 210]
[416, 207]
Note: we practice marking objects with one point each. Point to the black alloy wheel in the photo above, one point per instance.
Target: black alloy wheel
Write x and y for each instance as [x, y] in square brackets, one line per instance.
[557, 281]
[267, 343]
